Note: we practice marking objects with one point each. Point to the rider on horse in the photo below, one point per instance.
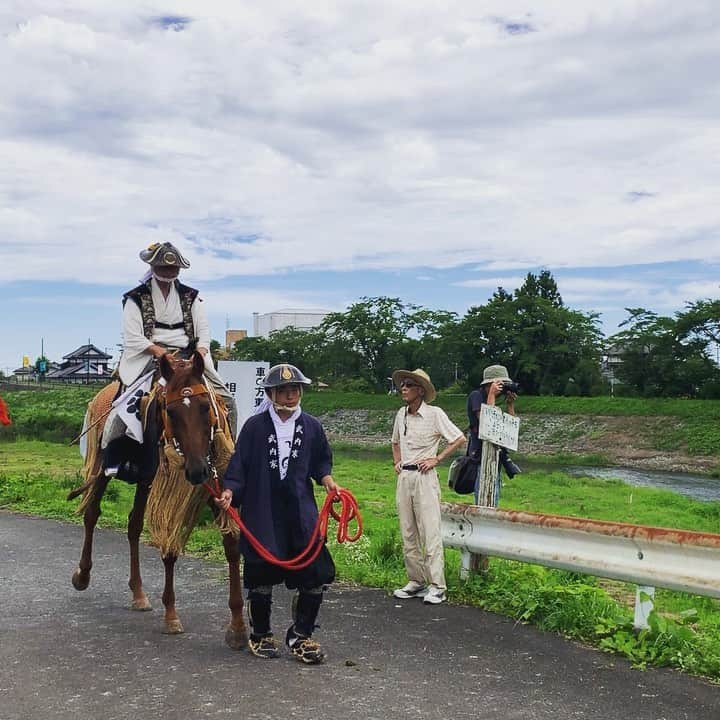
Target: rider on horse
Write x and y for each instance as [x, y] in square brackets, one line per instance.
[161, 315]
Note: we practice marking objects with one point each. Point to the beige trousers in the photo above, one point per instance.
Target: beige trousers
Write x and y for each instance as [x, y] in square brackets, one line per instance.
[418, 505]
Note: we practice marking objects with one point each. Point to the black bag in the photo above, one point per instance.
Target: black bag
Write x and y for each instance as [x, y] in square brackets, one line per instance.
[463, 473]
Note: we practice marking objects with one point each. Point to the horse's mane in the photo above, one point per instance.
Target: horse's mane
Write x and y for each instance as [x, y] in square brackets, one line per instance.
[174, 504]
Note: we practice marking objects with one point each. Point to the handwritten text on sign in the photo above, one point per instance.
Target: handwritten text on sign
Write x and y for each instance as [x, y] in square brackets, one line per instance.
[498, 427]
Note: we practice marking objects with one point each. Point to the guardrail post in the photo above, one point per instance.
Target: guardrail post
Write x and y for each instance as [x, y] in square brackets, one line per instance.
[644, 595]
[487, 494]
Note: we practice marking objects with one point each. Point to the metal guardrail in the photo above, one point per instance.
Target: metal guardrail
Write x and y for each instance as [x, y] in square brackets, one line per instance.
[648, 556]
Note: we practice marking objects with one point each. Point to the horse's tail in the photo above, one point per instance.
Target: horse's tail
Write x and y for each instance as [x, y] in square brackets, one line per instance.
[79, 490]
[92, 468]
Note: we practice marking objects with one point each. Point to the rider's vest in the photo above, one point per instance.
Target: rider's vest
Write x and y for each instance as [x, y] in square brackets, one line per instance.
[142, 297]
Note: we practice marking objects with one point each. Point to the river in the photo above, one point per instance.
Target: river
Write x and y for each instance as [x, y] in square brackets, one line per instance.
[698, 487]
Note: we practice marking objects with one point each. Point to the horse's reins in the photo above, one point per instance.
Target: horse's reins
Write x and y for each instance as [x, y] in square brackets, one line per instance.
[349, 509]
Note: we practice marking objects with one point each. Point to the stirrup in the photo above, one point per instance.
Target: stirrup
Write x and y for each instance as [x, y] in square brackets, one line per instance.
[265, 647]
[304, 649]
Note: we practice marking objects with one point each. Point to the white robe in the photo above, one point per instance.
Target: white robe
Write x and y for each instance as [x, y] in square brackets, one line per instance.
[169, 311]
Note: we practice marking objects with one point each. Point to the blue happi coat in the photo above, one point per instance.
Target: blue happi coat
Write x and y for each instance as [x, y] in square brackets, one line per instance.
[280, 513]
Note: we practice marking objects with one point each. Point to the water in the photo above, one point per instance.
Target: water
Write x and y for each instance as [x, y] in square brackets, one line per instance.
[698, 487]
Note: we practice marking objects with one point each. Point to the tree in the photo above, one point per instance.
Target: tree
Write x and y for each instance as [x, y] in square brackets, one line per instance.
[376, 334]
[700, 319]
[42, 365]
[547, 347]
[290, 345]
[657, 361]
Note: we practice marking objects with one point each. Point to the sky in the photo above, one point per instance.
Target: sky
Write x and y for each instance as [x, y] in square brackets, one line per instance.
[307, 154]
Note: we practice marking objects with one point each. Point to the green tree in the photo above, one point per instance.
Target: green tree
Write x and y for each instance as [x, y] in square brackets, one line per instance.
[700, 319]
[547, 347]
[42, 366]
[659, 361]
[379, 334]
[301, 348]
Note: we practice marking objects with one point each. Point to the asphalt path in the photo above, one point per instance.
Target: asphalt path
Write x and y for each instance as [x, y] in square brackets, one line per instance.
[68, 654]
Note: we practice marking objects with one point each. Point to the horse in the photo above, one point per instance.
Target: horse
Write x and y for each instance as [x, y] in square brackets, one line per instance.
[196, 447]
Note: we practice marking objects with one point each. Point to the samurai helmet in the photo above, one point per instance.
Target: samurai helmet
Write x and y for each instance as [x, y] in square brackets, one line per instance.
[284, 374]
[164, 254]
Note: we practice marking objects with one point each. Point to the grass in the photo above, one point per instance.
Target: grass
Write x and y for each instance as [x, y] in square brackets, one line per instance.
[56, 415]
[35, 477]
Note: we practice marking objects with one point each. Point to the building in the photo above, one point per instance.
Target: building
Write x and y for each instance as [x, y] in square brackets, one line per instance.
[25, 374]
[87, 364]
[612, 359]
[267, 323]
[232, 336]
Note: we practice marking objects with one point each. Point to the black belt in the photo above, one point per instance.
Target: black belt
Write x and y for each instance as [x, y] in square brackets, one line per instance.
[165, 326]
[410, 467]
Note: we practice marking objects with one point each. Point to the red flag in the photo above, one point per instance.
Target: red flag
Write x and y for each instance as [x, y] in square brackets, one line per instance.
[4, 415]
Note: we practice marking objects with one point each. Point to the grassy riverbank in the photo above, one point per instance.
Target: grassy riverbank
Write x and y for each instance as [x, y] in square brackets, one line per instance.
[657, 434]
[36, 476]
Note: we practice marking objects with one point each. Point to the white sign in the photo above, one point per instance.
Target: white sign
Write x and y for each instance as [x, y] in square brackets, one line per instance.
[498, 427]
[243, 379]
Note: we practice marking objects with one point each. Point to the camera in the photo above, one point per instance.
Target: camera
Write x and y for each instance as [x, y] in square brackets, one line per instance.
[512, 387]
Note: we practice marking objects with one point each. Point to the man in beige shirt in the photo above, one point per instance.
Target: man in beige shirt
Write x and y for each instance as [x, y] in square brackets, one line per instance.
[416, 435]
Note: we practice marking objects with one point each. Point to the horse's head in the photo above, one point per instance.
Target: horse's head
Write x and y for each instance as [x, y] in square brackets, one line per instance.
[189, 416]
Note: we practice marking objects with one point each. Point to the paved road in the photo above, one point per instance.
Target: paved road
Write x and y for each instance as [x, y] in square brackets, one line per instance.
[65, 654]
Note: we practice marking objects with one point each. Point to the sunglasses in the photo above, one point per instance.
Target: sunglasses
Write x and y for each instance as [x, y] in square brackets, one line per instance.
[408, 384]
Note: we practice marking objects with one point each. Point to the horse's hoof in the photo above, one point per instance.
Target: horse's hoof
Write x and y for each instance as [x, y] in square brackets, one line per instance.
[141, 604]
[173, 627]
[236, 639]
[80, 580]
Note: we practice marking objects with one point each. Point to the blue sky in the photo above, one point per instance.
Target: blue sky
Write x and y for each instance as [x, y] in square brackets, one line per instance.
[306, 156]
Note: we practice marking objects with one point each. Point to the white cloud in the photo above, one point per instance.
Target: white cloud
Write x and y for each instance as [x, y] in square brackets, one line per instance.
[342, 136]
[508, 282]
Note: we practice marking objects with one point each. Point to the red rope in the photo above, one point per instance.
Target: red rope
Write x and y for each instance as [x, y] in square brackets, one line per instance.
[349, 511]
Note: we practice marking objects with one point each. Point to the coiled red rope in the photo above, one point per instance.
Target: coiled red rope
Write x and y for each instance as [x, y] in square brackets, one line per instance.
[349, 511]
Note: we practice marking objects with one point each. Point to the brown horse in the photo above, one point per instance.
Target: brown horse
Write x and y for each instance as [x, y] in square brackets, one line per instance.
[196, 447]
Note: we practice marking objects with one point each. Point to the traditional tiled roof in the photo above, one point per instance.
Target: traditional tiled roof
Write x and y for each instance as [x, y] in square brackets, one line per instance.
[85, 352]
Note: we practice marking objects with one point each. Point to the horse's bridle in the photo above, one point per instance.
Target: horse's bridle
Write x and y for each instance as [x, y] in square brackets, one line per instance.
[171, 397]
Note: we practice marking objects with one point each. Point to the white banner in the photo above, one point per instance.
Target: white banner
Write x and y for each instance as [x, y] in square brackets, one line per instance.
[243, 379]
[128, 406]
[498, 427]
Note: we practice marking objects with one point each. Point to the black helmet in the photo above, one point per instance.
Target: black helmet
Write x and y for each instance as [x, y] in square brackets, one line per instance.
[284, 374]
[164, 254]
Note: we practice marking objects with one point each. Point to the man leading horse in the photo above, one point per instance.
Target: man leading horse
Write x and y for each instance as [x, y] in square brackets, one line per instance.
[161, 315]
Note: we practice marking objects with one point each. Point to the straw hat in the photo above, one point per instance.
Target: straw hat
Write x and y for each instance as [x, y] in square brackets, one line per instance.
[495, 372]
[420, 377]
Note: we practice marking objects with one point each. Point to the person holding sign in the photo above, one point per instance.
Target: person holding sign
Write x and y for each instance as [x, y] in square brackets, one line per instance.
[495, 386]
[417, 432]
